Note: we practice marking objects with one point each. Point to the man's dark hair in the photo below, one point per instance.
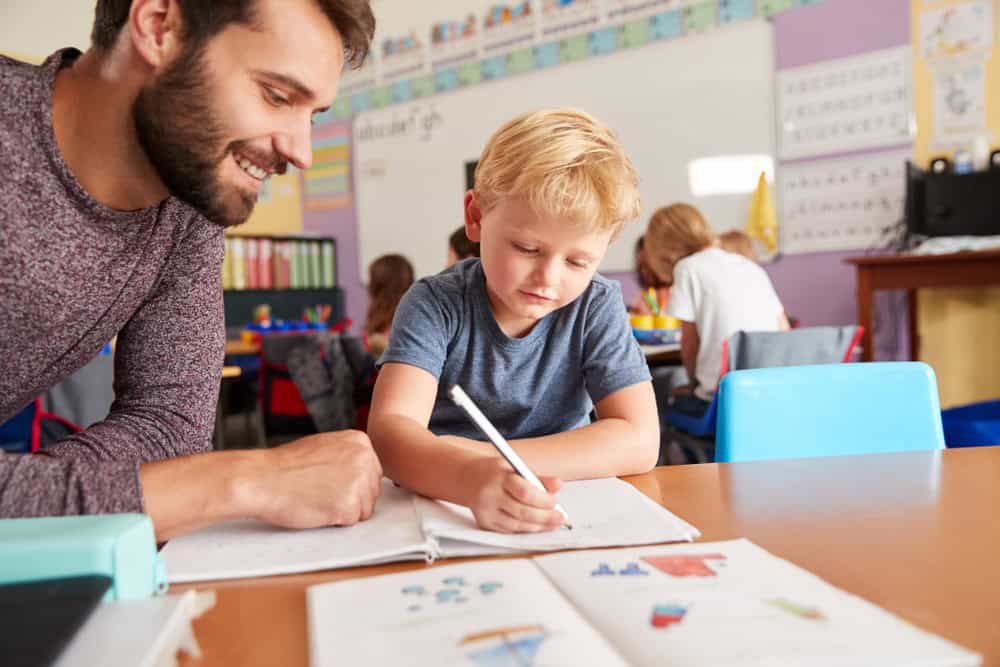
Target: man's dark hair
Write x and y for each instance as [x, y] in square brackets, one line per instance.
[203, 19]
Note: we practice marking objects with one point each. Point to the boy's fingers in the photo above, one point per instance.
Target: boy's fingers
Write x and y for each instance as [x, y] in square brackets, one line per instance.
[511, 523]
[552, 484]
[529, 516]
[524, 492]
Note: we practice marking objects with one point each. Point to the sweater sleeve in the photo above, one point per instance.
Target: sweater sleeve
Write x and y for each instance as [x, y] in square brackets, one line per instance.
[33, 485]
[168, 363]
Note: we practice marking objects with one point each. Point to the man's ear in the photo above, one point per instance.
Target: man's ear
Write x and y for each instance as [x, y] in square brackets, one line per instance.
[473, 217]
[155, 28]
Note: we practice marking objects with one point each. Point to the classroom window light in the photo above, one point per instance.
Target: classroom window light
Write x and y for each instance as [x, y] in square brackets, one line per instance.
[728, 174]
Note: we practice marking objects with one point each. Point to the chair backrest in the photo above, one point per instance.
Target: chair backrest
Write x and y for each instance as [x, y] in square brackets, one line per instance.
[796, 347]
[801, 411]
[282, 407]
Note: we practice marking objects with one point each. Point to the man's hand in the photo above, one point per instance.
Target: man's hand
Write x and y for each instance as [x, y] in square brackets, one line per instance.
[321, 480]
[328, 479]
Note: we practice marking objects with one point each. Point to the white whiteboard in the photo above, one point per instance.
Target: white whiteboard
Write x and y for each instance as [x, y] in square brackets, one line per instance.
[670, 102]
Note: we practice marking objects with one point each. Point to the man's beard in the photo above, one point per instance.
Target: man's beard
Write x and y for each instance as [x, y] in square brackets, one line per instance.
[184, 140]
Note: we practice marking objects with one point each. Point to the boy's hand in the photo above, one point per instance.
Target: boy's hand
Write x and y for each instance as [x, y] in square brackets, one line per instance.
[505, 502]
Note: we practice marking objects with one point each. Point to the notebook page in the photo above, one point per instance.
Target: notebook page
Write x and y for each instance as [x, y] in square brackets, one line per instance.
[249, 548]
[733, 603]
[464, 614]
[604, 512]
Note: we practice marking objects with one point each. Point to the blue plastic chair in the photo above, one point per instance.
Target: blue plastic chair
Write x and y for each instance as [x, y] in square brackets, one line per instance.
[828, 410]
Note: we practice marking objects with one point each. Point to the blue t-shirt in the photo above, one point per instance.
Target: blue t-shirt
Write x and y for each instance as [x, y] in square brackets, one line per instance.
[543, 383]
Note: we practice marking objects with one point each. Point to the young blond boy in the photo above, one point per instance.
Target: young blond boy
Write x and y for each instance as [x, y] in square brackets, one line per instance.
[530, 331]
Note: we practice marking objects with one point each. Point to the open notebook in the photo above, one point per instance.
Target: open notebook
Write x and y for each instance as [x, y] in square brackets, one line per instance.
[723, 603]
[605, 512]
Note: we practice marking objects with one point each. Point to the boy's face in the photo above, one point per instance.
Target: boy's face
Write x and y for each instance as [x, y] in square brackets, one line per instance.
[534, 263]
[218, 121]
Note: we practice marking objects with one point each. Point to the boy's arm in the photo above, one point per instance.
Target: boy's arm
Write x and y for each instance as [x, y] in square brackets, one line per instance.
[625, 440]
[449, 468]
[411, 455]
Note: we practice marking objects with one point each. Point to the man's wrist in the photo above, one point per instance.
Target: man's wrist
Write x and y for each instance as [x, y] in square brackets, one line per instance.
[242, 491]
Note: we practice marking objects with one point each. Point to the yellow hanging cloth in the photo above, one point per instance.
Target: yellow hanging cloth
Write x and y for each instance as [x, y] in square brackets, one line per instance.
[762, 221]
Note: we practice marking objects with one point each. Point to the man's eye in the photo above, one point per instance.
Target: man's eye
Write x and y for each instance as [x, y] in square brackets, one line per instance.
[274, 97]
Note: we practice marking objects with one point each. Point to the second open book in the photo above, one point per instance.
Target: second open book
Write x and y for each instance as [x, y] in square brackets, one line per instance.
[605, 512]
[697, 605]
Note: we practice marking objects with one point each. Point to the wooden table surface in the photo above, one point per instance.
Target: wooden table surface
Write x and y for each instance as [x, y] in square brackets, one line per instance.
[911, 272]
[914, 532]
[238, 347]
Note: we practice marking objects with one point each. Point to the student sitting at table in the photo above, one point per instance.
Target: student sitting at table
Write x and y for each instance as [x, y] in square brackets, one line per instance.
[460, 247]
[739, 242]
[389, 277]
[647, 280]
[715, 294]
[533, 335]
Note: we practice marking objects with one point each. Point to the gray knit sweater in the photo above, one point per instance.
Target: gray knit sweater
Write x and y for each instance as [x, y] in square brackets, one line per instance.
[73, 274]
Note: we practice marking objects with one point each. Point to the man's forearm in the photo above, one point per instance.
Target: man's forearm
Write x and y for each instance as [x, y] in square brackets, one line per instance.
[187, 493]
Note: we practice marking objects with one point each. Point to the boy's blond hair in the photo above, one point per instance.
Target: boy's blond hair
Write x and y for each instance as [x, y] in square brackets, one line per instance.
[673, 233]
[564, 163]
[739, 243]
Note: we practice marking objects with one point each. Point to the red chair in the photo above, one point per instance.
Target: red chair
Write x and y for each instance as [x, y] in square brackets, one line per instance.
[31, 428]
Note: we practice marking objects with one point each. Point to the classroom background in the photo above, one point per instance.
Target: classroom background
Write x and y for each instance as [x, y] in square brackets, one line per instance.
[834, 155]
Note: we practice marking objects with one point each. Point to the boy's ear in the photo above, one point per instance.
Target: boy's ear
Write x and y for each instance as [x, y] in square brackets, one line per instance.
[473, 217]
[155, 29]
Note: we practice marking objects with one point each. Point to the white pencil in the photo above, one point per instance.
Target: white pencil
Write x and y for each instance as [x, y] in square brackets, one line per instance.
[462, 400]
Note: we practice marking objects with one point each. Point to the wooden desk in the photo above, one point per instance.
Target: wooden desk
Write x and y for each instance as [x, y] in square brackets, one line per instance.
[219, 436]
[236, 347]
[662, 355]
[915, 532]
[911, 272]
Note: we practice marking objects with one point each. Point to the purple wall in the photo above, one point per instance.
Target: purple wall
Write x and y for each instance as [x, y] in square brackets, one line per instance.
[819, 288]
[838, 29]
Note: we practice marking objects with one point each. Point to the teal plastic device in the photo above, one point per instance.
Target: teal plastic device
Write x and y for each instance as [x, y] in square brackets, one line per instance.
[120, 546]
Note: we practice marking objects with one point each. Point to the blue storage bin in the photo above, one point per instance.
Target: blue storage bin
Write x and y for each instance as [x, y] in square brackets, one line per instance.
[657, 336]
[972, 425]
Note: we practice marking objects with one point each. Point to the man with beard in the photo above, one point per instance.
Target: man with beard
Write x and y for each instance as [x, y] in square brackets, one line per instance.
[121, 167]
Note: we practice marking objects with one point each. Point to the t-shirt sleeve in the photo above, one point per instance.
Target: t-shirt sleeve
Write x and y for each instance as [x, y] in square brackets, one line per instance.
[421, 329]
[682, 294]
[612, 358]
[168, 362]
[33, 485]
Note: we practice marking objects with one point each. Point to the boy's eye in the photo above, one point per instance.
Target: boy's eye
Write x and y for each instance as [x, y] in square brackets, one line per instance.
[525, 249]
[579, 263]
[274, 97]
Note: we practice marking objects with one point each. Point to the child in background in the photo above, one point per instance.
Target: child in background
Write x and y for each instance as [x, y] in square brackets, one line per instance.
[531, 332]
[460, 247]
[647, 279]
[715, 294]
[740, 243]
[389, 277]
